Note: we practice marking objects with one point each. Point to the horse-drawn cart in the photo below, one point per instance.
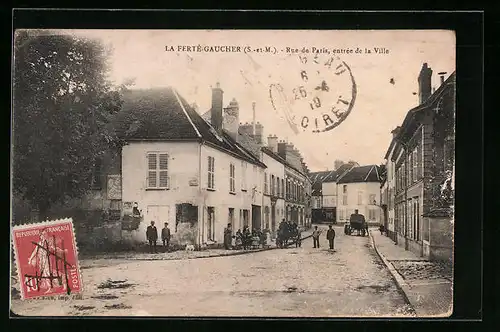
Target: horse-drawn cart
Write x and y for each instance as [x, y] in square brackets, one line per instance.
[288, 233]
[357, 223]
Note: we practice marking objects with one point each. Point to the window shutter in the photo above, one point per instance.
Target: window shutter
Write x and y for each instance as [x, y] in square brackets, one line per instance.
[152, 179]
[213, 172]
[163, 161]
[152, 166]
[163, 170]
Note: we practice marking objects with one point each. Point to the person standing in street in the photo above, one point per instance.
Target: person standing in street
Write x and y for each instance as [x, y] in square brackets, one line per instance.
[228, 235]
[315, 236]
[152, 236]
[165, 236]
[330, 235]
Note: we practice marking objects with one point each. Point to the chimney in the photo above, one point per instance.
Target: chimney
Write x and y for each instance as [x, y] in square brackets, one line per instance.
[441, 75]
[232, 119]
[258, 133]
[216, 111]
[282, 149]
[395, 131]
[272, 143]
[424, 83]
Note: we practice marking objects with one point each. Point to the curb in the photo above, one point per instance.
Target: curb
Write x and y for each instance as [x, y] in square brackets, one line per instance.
[398, 279]
[211, 256]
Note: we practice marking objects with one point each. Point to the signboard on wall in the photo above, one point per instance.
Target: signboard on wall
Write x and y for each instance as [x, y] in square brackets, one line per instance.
[114, 187]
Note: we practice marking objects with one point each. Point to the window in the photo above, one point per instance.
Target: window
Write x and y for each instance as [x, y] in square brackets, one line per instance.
[243, 176]
[282, 188]
[211, 172]
[420, 164]
[360, 197]
[344, 196]
[415, 165]
[417, 228]
[158, 170]
[272, 185]
[371, 214]
[265, 184]
[341, 214]
[410, 168]
[96, 176]
[278, 189]
[372, 199]
[232, 182]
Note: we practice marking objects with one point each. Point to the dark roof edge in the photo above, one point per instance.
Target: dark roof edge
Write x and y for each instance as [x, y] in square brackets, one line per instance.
[273, 155]
[292, 167]
[215, 146]
[162, 139]
[344, 174]
[426, 104]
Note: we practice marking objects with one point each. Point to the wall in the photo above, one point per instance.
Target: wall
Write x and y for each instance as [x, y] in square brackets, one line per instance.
[183, 182]
[221, 199]
[329, 190]
[441, 238]
[367, 188]
[277, 169]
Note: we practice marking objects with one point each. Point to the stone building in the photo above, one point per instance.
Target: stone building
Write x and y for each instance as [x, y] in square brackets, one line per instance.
[422, 157]
[359, 189]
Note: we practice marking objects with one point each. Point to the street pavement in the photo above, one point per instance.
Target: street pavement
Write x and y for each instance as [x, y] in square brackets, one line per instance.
[295, 282]
[427, 285]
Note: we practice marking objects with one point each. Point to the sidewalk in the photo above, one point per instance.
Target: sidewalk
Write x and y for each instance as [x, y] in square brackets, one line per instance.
[427, 285]
[89, 260]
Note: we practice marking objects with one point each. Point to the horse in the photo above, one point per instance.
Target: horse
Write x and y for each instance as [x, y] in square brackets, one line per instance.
[287, 232]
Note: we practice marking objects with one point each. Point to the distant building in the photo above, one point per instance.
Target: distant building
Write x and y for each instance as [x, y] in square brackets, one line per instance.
[274, 185]
[324, 194]
[359, 189]
[389, 187]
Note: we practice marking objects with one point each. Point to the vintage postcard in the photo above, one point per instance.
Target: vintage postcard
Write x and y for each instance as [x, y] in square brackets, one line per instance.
[233, 173]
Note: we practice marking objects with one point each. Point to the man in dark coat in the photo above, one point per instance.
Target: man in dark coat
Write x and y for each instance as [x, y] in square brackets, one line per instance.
[165, 236]
[330, 235]
[228, 235]
[152, 236]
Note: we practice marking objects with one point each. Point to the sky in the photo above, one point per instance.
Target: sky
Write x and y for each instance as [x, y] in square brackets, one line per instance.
[363, 136]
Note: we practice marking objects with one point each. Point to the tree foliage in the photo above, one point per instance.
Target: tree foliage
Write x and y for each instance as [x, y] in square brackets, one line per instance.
[63, 104]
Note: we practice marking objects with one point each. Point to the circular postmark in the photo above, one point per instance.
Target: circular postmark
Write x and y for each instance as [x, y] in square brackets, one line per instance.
[315, 93]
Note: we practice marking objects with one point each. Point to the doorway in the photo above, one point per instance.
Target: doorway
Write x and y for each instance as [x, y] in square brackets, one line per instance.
[256, 217]
[211, 223]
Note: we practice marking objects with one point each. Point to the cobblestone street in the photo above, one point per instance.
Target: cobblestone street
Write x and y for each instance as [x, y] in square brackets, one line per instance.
[352, 281]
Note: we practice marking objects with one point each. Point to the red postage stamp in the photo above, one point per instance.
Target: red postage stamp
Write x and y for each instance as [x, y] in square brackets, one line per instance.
[47, 259]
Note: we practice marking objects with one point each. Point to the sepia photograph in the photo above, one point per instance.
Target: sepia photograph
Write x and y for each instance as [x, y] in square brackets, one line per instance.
[233, 173]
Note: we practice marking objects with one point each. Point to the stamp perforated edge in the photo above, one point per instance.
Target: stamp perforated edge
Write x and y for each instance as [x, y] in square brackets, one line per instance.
[16, 260]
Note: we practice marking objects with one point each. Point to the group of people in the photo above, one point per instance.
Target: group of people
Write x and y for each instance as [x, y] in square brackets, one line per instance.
[152, 236]
[330, 236]
[244, 238]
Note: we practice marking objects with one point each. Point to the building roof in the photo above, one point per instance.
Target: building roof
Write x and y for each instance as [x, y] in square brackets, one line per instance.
[334, 175]
[162, 114]
[433, 98]
[370, 173]
[273, 155]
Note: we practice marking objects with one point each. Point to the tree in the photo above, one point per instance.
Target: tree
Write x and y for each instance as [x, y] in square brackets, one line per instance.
[63, 103]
